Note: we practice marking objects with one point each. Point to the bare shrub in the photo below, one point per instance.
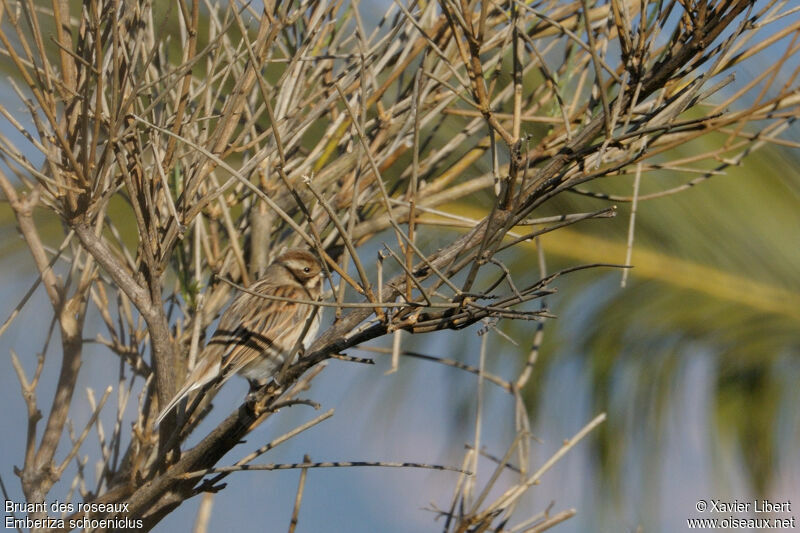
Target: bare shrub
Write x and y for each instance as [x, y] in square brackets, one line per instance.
[186, 144]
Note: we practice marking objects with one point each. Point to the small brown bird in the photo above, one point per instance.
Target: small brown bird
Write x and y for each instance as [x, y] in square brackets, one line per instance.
[255, 335]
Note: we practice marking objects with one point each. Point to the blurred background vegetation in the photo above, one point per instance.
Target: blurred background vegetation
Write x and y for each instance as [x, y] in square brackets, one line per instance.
[711, 310]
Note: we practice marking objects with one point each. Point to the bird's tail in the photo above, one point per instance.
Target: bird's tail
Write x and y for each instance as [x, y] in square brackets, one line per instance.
[171, 405]
[205, 372]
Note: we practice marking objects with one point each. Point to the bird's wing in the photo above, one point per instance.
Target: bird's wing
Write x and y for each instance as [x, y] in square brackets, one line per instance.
[256, 326]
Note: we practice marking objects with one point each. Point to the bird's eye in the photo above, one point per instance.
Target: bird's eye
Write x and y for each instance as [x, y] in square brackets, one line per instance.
[307, 270]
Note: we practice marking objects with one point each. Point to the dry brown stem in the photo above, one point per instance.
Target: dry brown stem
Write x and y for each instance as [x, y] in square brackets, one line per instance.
[173, 165]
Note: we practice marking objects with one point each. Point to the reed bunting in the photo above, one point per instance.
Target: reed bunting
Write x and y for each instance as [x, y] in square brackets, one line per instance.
[255, 335]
